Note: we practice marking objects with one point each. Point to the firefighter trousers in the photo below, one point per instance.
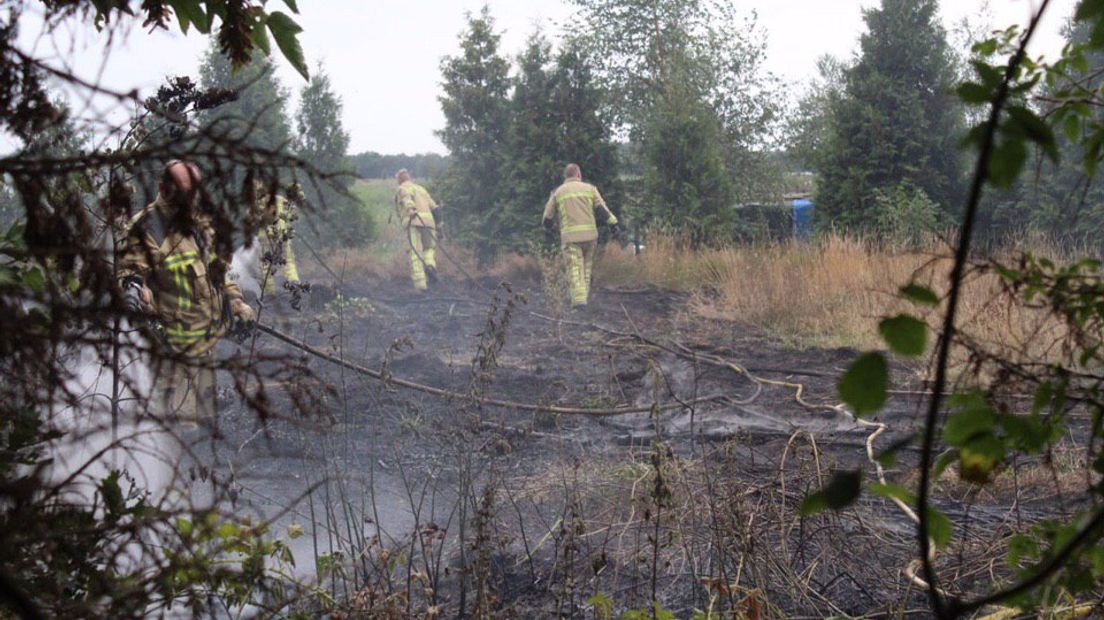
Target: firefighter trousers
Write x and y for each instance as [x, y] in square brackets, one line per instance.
[580, 265]
[423, 254]
[184, 389]
[278, 253]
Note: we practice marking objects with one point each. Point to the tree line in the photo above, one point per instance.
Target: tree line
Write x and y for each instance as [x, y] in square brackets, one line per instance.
[669, 109]
[669, 106]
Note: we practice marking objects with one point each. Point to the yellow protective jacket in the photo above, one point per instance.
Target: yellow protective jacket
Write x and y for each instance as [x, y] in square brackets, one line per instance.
[191, 293]
[576, 203]
[278, 232]
[415, 206]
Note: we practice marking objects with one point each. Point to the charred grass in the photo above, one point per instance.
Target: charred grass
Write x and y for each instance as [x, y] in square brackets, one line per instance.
[551, 517]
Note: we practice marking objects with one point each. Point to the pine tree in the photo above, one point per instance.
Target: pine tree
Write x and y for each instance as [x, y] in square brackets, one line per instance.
[582, 106]
[259, 115]
[899, 122]
[535, 144]
[688, 188]
[476, 105]
[323, 141]
[555, 118]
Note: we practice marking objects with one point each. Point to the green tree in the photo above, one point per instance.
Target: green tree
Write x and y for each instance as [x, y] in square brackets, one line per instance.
[1062, 198]
[556, 117]
[476, 106]
[372, 165]
[698, 65]
[809, 128]
[585, 128]
[258, 116]
[536, 145]
[322, 140]
[898, 120]
[688, 188]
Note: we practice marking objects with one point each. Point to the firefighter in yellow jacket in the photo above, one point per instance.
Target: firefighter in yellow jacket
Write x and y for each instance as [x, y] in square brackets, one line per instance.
[578, 207]
[276, 246]
[169, 268]
[420, 222]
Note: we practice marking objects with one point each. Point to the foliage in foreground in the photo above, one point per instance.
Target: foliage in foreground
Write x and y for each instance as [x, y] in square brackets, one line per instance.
[79, 536]
[980, 431]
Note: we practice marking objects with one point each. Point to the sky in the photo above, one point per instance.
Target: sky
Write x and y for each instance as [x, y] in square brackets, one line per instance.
[383, 56]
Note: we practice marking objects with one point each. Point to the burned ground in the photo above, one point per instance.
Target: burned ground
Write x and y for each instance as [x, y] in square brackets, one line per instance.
[444, 504]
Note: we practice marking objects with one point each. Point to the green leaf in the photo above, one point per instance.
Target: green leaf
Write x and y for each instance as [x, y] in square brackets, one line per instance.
[286, 32]
[602, 604]
[863, 387]
[920, 294]
[1035, 129]
[112, 495]
[893, 491]
[943, 462]
[34, 278]
[974, 93]
[259, 36]
[1028, 432]
[990, 76]
[978, 458]
[987, 47]
[906, 335]
[191, 12]
[1044, 394]
[293, 5]
[1007, 161]
[975, 136]
[184, 526]
[840, 492]
[940, 527]
[228, 530]
[1022, 547]
[1089, 9]
[965, 426]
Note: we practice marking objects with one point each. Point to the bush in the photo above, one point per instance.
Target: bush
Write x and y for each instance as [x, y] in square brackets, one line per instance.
[905, 215]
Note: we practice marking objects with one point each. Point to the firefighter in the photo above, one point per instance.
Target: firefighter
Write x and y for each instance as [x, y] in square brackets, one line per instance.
[578, 207]
[421, 220]
[170, 270]
[276, 247]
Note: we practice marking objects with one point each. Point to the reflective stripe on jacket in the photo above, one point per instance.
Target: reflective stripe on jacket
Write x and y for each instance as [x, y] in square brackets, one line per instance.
[576, 203]
[415, 205]
[277, 236]
[181, 269]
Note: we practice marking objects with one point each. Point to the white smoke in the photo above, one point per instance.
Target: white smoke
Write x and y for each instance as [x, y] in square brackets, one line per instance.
[245, 267]
[93, 443]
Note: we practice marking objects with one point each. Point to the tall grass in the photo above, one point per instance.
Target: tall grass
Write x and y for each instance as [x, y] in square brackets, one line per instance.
[830, 292]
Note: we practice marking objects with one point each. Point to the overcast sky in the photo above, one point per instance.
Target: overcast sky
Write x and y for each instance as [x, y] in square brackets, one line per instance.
[383, 56]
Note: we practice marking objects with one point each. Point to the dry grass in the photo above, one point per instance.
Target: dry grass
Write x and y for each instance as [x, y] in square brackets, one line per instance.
[826, 293]
[831, 292]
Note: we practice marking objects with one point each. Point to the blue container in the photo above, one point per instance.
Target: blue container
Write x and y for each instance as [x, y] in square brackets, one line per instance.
[802, 218]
